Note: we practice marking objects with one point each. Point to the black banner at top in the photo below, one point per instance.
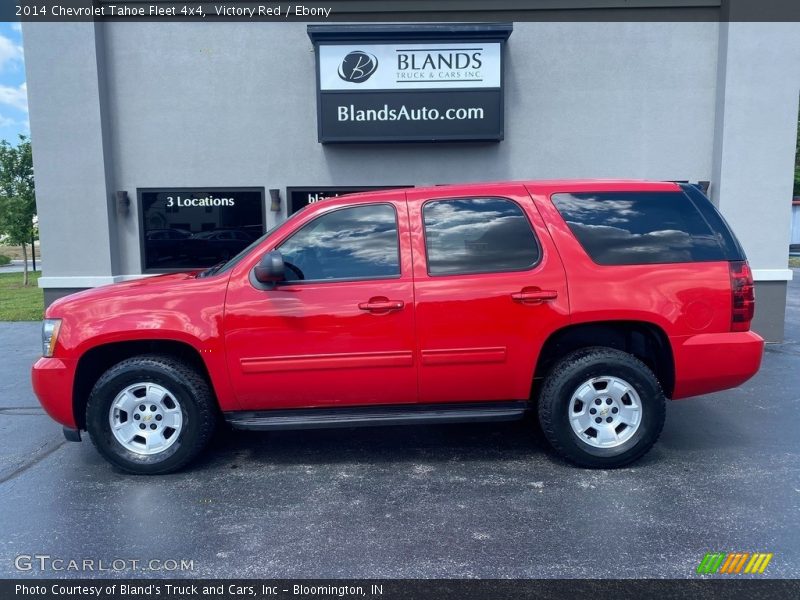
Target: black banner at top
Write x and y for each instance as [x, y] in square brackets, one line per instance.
[401, 11]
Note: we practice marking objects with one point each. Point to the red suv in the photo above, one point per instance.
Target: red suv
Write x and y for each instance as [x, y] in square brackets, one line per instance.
[589, 302]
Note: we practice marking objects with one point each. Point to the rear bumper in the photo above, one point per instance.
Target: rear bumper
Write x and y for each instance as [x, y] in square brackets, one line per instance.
[52, 380]
[711, 362]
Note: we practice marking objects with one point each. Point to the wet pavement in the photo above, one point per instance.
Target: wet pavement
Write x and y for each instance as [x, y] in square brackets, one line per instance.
[483, 500]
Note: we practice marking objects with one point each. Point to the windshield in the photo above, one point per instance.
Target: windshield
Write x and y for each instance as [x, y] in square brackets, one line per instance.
[227, 266]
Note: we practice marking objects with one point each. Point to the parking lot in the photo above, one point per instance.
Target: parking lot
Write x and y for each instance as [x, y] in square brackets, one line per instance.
[484, 500]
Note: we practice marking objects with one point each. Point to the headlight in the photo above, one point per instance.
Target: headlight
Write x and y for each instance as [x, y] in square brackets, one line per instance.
[50, 329]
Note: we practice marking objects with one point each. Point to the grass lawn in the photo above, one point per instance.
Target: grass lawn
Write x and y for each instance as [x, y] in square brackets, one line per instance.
[19, 303]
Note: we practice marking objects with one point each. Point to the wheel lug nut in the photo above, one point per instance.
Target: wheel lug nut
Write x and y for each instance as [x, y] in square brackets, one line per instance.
[153, 426]
[598, 420]
[159, 417]
[142, 425]
[598, 401]
[609, 419]
[136, 416]
[608, 400]
[142, 407]
[615, 410]
[153, 406]
[592, 411]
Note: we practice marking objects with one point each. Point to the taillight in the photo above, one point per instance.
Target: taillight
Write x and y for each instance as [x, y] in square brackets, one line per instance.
[742, 295]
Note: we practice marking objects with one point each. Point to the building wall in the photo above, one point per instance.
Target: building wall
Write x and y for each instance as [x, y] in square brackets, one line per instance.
[231, 105]
[758, 90]
[65, 102]
[576, 106]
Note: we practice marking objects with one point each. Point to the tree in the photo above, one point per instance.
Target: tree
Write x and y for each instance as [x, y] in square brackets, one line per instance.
[17, 196]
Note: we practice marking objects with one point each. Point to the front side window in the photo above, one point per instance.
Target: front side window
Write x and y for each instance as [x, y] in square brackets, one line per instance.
[478, 235]
[360, 242]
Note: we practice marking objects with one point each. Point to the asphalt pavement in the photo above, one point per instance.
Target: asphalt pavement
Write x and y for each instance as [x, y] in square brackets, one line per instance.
[17, 266]
[483, 500]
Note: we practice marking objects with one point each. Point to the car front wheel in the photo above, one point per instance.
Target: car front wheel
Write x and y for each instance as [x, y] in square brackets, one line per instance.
[151, 414]
[601, 408]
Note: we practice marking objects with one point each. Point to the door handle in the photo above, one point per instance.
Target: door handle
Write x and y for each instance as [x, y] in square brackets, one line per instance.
[381, 305]
[534, 296]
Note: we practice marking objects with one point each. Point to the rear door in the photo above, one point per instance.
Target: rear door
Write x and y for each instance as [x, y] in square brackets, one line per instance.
[489, 289]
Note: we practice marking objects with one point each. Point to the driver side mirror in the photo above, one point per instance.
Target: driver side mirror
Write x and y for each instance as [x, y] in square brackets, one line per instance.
[270, 269]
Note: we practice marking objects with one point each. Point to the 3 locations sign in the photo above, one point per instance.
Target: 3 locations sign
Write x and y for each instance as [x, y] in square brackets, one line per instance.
[186, 228]
[391, 87]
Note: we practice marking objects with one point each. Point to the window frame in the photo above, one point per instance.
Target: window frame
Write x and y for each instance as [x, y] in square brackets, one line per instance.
[531, 267]
[291, 234]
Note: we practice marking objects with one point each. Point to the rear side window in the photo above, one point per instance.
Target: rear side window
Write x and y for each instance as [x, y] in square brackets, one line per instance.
[478, 235]
[639, 228]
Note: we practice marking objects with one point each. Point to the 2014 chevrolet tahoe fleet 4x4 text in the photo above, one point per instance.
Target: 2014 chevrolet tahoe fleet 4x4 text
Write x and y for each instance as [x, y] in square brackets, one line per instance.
[590, 301]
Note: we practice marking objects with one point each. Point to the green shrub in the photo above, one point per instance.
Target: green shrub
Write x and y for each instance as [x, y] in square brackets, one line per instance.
[4, 260]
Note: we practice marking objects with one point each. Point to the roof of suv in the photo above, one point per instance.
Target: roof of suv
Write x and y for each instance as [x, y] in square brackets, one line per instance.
[545, 186]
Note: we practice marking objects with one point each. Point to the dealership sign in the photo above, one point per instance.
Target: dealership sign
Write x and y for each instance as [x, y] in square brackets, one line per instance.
[392, 87]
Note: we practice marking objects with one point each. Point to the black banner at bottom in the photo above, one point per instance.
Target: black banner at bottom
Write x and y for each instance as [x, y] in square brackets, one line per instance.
[403, 589]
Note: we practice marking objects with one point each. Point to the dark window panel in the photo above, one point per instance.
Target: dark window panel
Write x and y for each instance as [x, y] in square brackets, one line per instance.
[360, 242]
[197, 227]
[634, 228]
[480, 235]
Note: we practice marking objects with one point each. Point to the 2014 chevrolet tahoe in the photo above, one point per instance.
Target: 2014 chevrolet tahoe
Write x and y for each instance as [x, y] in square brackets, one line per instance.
[588, 302]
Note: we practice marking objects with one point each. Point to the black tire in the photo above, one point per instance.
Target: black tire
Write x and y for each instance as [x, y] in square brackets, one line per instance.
[191, 390]
[564, 380]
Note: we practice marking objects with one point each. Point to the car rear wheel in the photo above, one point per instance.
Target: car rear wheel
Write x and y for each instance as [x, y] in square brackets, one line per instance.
[601, 408]
[151, 414]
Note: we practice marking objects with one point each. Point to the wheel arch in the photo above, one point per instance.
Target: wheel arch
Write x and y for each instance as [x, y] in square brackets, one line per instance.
[644, 340]
[98, 359]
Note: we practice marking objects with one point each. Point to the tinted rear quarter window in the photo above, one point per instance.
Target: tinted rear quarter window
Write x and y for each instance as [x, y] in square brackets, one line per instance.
[637, 228]
[478, 235]
[733, 250]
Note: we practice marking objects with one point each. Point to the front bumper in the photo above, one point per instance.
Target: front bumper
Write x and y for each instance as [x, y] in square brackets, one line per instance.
[712, 362]
[52, 380]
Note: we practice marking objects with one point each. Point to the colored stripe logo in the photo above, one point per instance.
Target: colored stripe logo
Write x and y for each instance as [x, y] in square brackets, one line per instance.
[734, 563]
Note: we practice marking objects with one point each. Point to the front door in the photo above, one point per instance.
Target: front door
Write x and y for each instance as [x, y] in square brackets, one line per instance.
[340, 330]
[489, 290]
